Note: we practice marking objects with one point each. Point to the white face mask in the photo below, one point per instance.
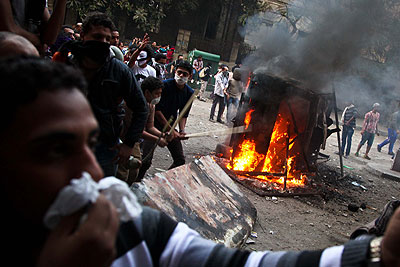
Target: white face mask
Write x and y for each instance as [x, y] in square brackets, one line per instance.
[155, 101]
[142, 62]
[181, 80]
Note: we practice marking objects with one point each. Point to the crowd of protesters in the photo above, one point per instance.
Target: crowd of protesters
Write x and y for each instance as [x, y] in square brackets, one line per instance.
[83, 114]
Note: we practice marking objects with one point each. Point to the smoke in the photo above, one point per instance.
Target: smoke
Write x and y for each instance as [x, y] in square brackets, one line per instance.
[352, 45]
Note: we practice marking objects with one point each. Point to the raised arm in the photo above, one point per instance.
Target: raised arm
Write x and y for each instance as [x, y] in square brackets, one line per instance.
[53, 23]
[7, 23]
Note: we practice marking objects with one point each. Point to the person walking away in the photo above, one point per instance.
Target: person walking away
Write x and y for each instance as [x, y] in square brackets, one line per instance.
[205, 75]
[370, 127]
[393, 131]
[221, 83]
[349, 124]
[233, 93]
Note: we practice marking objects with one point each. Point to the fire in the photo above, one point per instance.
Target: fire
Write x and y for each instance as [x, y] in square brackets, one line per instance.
[280, 160]
[248, 159]
[247, 118]
[248, 83]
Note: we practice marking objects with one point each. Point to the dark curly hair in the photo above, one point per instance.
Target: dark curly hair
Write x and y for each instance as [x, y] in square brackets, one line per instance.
[185, 65]
[151, 84]
[97, 19]
[24, 78]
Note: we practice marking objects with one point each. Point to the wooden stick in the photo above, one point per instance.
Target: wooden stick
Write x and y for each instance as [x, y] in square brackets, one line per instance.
[337, 127]
[147, 157]
[235, 130]
[183, 111]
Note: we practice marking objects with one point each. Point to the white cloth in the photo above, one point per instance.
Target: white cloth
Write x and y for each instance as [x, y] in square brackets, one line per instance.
[221, 82]
[83, 191]
[344, 112]
[142, 73]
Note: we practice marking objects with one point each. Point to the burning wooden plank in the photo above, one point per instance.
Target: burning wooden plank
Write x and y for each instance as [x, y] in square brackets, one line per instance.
[202, 195]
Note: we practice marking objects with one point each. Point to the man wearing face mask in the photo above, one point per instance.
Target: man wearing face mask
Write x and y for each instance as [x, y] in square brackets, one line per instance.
[111, 83]
[139, 59]
[152, 89]
[174, 97]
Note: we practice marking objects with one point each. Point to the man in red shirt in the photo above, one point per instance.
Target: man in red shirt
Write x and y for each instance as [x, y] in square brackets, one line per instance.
[370, 127]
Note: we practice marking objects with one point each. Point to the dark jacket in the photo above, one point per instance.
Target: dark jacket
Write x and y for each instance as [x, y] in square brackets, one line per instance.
[113, 84]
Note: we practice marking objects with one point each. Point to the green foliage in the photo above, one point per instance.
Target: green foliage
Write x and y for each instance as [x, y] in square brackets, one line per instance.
[252, 7]
[147, 14]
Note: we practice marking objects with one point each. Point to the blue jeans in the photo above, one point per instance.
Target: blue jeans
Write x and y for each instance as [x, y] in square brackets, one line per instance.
[347, 135]
[233, 104]
[392, 137]
[105, 156]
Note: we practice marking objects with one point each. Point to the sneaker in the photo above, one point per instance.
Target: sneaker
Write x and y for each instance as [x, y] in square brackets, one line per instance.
[220, 121]
[211, 119]
[345, 156]
[356, 154]
[391, 153]
[378, 148]
[366, 157]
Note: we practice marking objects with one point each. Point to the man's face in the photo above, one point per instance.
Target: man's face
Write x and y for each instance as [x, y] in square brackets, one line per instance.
[162, 61]
[97, 33]
[70, 33]
[114, 38]
[152, 95]
[180, 58]
[49, 143]
[78, 27]
[184, 73]
[200, 59]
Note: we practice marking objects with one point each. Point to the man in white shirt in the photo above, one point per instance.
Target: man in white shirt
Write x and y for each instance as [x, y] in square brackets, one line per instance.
[221, 83]
[139, 60]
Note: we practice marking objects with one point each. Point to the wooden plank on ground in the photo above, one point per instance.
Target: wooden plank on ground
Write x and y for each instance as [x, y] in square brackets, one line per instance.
[203, 196]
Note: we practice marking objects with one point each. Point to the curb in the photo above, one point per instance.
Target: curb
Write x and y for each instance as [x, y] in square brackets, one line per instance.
[380, 171]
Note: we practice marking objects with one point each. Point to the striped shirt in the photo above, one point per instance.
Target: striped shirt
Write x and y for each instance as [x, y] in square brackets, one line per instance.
[154, 239]
[349, 116]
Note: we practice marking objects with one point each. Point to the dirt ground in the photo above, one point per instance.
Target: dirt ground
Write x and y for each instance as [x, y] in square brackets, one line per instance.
[295, 223]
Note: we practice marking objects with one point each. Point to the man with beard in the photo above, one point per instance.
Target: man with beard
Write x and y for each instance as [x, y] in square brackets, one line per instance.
[114, 44]
[111, 83]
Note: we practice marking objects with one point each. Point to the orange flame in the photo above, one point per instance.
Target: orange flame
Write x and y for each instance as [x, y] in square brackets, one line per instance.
[247, 118]
[280, 157]
[248, 82]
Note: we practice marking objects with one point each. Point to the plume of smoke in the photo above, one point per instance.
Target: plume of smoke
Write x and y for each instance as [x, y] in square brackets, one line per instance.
[321, 41]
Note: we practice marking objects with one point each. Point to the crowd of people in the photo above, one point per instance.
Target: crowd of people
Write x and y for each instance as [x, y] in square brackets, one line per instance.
[369, 129]
[86, 111]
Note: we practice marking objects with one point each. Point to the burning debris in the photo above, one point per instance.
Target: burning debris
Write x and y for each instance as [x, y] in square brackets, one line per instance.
[278, 155]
